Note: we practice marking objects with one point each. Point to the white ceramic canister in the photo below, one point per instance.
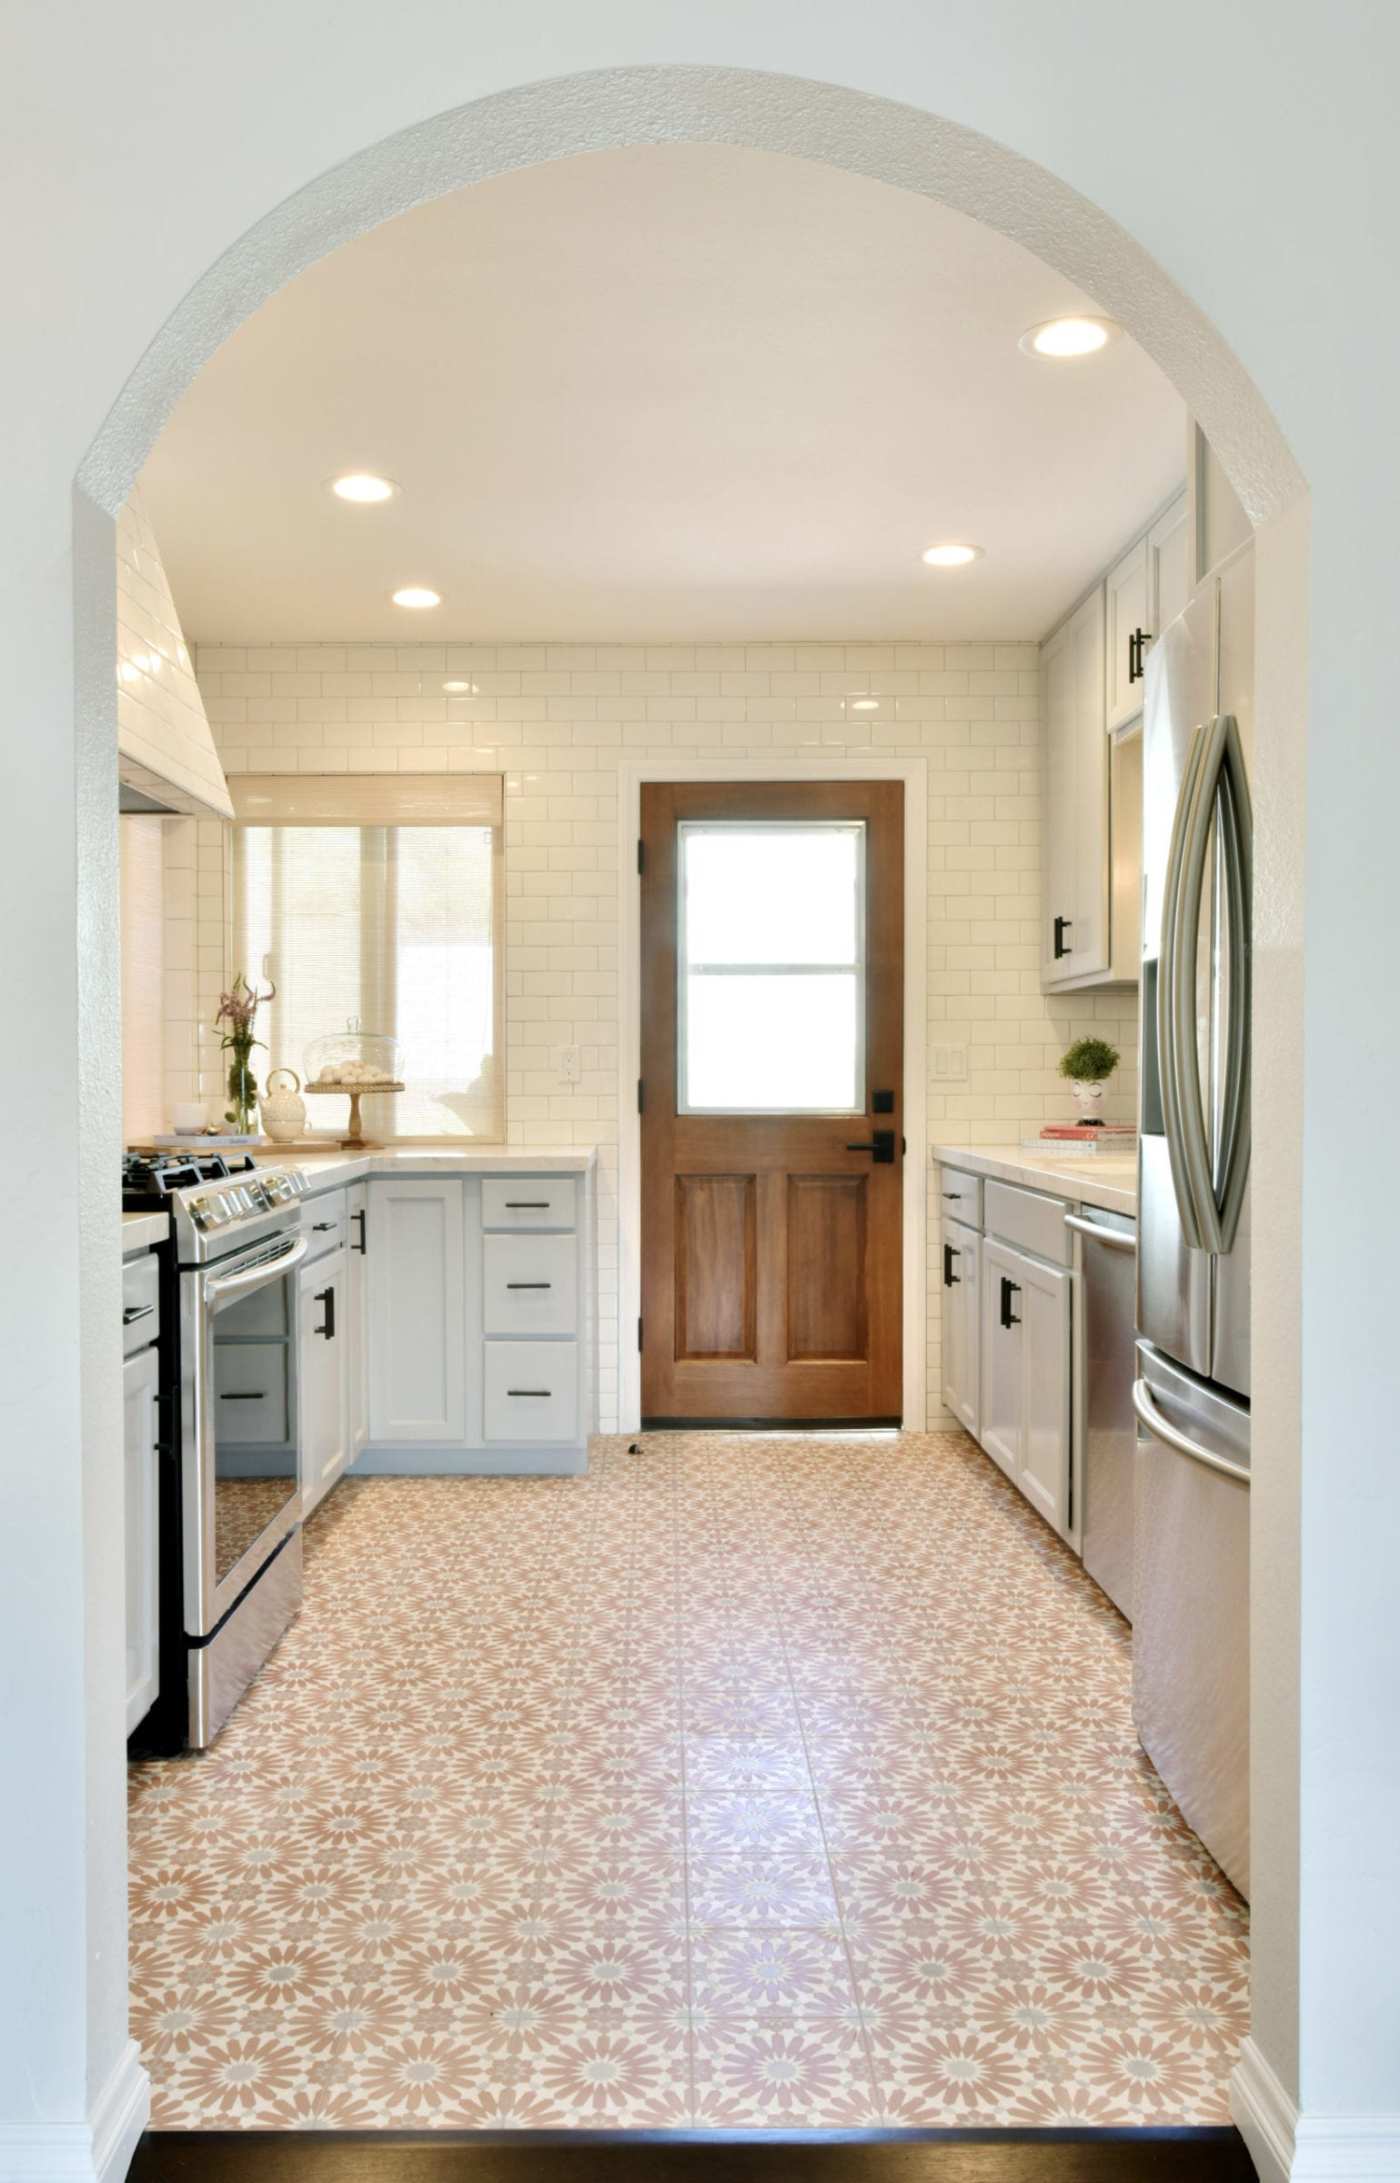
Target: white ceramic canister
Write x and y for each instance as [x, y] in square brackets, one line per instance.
[283, 1112]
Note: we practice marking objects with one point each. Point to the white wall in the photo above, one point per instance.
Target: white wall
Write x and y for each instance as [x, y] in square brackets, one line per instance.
[557, 719]
[1099, 108]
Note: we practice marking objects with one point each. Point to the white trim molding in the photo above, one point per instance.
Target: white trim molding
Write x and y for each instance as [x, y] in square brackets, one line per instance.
[97, 2151]
[913, 772]
[1289, 2147]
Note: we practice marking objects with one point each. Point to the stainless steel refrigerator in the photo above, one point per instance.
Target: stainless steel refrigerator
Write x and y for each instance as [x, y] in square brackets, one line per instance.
[1191, 1394]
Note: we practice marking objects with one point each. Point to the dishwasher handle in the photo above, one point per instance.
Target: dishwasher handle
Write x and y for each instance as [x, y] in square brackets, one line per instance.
[1117, 1239]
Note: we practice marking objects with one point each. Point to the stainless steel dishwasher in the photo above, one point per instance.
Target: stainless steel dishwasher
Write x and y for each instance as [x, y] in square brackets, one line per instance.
[1105, 1255]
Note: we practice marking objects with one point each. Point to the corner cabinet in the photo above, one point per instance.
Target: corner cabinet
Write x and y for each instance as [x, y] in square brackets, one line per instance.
[962, 1303]
[323, 1343]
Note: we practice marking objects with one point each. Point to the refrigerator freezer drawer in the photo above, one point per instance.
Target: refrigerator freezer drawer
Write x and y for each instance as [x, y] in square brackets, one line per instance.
[1191, 1625]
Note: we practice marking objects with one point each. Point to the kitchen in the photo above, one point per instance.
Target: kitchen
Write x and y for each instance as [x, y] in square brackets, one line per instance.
[409, 1296]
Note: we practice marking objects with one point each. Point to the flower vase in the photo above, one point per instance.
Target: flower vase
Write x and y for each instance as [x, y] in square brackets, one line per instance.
[242, 1088]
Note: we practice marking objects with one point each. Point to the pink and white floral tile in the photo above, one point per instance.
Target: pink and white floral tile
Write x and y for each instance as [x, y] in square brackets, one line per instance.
[747, 1782]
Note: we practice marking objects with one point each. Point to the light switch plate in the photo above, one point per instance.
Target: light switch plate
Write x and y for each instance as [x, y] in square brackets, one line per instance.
[948, 1065]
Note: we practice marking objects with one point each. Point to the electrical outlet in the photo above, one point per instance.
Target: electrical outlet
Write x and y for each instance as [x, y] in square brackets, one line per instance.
[948, 1065]
[570, 1065]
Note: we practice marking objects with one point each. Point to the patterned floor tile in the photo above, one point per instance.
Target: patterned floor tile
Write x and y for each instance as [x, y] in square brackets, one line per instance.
[747, 1782]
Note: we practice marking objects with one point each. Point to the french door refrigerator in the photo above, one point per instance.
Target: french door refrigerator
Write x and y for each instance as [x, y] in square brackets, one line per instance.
[1191, 1393]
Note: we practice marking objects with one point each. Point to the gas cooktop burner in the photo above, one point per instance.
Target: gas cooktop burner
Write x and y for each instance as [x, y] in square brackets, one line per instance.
[149, 1177]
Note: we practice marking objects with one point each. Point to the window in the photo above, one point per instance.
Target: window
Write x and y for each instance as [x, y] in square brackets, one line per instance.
[771, 964]
[376, 902]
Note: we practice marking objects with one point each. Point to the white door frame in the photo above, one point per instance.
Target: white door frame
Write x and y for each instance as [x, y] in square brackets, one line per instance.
[913, 772]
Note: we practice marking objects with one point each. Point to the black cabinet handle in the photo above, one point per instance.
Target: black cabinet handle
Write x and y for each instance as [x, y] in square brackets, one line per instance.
[880, 1147]
[1136, 642]
[362, 1245]
[529, 1284]
[1062, 926]
[132, 1312]
[327, 1326]
[250, 1396]
[1009, 1318]
[321, 1227]
[543, 1392]
[527, 1205]
[953, 1197]
[951, 1280]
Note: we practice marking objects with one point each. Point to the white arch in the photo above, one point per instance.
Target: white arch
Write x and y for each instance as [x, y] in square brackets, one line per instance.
[562, 116]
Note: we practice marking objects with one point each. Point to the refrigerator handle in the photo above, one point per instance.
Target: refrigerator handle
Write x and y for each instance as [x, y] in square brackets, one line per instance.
[1237, 837]
[1169, 1015]
[1171, 1436]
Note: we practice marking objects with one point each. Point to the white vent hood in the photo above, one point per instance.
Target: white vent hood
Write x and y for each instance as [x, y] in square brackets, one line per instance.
[166, 760]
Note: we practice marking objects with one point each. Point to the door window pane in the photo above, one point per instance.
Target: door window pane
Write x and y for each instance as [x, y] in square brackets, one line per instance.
[771, 958]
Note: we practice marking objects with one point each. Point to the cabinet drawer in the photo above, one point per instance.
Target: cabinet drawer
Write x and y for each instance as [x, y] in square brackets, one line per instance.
[960, 1196]
[250, 1391]
[1026, 1218]
[530, 1284]
[529, 1201]
[531, 1391]
[324, 1223]
[140, 1303]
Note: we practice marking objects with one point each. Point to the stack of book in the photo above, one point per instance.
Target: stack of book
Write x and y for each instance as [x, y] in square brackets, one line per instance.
[1118, 1134]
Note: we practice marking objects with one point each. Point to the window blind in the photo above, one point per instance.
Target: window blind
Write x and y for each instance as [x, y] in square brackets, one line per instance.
[376, 902]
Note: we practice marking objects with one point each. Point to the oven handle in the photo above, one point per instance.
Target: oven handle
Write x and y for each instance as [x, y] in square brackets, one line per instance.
[253, 1277]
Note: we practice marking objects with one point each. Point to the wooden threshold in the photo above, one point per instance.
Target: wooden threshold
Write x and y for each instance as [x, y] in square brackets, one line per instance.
[676, 2156]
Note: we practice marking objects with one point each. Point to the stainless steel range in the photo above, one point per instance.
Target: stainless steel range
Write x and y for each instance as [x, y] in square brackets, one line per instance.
[234, 1538]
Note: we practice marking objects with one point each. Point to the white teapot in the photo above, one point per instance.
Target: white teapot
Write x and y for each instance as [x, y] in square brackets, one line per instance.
[283, 1113]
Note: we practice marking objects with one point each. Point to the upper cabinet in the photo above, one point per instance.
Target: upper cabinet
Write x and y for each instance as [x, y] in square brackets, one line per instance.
[1092, 672]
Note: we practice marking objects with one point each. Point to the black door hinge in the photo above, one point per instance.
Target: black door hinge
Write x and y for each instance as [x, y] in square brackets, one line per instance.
[639, 1095]
[641, 856]
[639, 1334]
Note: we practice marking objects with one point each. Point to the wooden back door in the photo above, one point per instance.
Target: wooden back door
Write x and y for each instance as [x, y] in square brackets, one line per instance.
[772, 1102]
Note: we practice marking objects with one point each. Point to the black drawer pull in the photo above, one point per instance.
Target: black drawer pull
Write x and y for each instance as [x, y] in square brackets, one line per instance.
[132, 1312]
[543, 1392]
[527, 1205]
[529, 1284]
[1009, 1289]
[321, 1227]
[250, 1396]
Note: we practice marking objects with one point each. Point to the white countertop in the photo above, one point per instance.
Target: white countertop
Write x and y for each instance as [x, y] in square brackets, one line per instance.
[1105, 1179]
[331, 1169]
[142, 1231]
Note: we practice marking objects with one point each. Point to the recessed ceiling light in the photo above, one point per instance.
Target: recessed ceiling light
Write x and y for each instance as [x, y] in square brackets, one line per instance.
[1063, 338]
[460, 689]
[363, 487]
[951, 556]
[417, 595]
[865, 704]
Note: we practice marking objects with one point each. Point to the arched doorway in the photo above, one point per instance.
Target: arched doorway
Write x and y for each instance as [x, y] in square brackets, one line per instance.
[553, 120]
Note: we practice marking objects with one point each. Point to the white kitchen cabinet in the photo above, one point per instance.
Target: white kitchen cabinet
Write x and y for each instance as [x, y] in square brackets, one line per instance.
[357, 1318]
[141, 1459]
[1168, 565]
[1025, 1338]
[1127, 625]
[322, 1299]
[417, 1311]
[962, 1320]
[1076, 798]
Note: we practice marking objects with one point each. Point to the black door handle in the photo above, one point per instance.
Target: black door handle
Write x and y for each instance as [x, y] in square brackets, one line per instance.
[1009, 1318]
[1062, 926]
[361, 1246]
[327, 1326]
[951, 1280]
[880, 1147]
[1136, 641]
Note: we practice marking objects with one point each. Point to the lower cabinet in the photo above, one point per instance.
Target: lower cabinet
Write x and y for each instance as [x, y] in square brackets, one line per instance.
[357, 1318]
[1025, 1382]
[962, 1306]
[416, 1266]
[141, 1462]
[322, 1344]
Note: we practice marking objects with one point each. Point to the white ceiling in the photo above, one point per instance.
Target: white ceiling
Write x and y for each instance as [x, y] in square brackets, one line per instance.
[684, 392]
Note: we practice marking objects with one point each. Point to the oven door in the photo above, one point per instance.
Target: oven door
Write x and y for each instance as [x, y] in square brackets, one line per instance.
[242, 1485]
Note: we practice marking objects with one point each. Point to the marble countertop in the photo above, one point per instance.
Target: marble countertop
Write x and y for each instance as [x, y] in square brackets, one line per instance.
[1105, 1179]
[331, 1169]
[142, 1231]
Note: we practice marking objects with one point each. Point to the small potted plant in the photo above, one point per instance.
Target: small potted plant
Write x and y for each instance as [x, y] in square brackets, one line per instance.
[1088, 1064]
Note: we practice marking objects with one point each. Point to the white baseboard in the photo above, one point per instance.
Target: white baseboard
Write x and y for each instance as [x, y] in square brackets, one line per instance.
[1287, 2147]
[96, 2151]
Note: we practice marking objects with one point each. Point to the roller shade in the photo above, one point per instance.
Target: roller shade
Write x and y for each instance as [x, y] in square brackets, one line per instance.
[367, 799]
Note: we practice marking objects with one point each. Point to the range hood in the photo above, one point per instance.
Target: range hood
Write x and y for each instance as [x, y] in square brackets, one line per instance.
[136, 801]
[166, 760]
